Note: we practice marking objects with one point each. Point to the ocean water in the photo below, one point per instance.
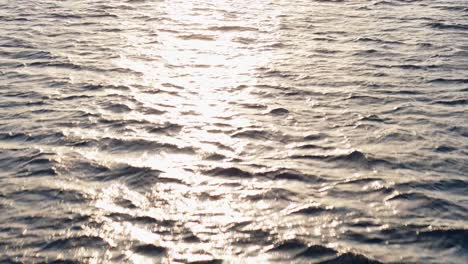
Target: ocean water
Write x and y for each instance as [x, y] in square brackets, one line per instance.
[233, 131]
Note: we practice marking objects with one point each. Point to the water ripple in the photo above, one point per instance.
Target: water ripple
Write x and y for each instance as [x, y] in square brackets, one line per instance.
[321, 131]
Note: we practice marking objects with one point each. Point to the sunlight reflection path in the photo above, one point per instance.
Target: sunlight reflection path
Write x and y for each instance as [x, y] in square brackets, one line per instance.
[199, 70]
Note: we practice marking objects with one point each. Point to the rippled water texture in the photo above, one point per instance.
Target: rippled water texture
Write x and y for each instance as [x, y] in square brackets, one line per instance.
[233, 131]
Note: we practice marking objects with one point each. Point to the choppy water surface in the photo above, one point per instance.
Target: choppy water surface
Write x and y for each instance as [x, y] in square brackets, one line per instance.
[234, 131]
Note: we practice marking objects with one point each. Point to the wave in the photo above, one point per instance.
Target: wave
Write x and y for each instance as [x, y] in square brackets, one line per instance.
[198, 37]
[319, 253]
[355, 157]
[126, 145]
[351, 258]
[311, 209]
[28, 162]
[276, 174]
[279, 111]
[74, 242]
[455, 102]
[229, 172]
[439, 25]
[253, 134]
[232, 28]
[48, 194]
[456, 239]
[448, 81]
[149, 250]
[427, 205]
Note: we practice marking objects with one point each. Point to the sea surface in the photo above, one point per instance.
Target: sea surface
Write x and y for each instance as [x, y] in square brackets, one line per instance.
[234, 131]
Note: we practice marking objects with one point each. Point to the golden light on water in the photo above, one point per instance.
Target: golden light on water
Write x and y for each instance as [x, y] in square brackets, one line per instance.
[232, 131]
[196, 79]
